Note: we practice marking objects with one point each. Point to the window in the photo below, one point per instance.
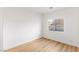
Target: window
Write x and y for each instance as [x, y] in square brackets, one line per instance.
[56, 24]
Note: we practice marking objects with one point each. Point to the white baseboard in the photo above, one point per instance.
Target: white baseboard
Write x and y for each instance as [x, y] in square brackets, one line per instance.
[22, 43]
[68, 43]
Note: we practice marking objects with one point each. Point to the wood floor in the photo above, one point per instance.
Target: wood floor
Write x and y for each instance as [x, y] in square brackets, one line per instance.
[44, 45]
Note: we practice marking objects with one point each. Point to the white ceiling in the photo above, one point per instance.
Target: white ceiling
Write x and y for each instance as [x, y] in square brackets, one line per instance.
[44, 9]
[39, 9]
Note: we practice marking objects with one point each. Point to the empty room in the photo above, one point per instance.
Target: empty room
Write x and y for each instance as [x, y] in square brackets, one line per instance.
[39, 29]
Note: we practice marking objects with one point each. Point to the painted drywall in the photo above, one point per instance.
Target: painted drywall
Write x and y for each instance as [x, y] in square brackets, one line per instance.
[71, 26]
[1, 29]
[20, 26]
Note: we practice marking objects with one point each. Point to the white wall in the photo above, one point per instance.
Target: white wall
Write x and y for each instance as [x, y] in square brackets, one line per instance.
[20, 26]
[71, 26]
[1, 29]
